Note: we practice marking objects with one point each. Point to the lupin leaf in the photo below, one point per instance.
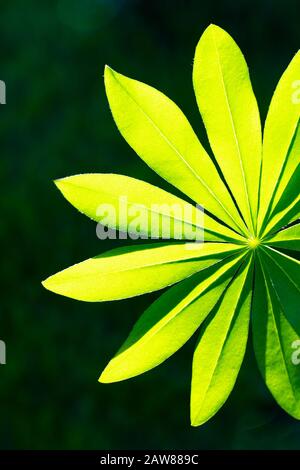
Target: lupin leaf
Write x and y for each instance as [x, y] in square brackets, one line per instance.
[251, 212]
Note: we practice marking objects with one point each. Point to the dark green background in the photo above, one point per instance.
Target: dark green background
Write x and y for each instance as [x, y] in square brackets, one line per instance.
[56, 123]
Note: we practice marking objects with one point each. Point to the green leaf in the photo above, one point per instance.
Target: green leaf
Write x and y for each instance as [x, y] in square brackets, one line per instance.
[230, 114]
[274, 339]
[121, 202]
[169, 322]
[161, 135]
[281, 142]
[130, 271]
[288, 238]
[221, 347]
[284, 272]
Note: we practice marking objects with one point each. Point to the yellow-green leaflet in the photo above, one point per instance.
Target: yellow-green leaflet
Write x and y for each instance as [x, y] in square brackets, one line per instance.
[274, 339]
[169, 322]
[161, 135]
[130, 271]
[281, 141]
[283, 215]
[125, 203]
[229, 110]
[288, 238]
[221, 347]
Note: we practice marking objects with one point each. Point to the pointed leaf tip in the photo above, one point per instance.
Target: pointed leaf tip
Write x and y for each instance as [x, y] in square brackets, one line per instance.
[45, 283]
[60, 182]
[108, 71]
[107, 68]
[212, 27]
[57, 181]
[104, 378]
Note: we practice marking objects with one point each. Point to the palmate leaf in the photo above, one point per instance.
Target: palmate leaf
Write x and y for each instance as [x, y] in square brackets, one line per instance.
[230, 114]
[252, 211]
[221, 348]
[91, 192]
[170, 321]
[130, 271]
[273, 337]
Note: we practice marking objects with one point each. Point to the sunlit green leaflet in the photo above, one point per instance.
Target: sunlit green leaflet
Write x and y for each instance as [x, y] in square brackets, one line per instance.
[241, 275]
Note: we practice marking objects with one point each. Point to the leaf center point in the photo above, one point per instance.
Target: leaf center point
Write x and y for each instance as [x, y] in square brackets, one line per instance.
[253, 242]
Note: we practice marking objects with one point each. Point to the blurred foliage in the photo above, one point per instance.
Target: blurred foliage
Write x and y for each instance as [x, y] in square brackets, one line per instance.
[56, 123]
